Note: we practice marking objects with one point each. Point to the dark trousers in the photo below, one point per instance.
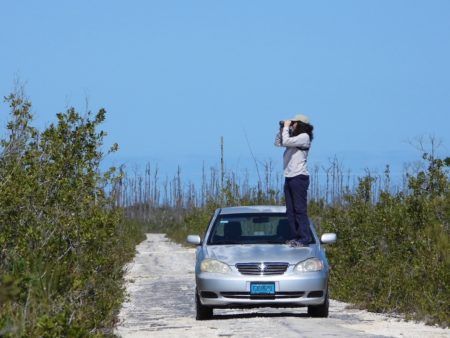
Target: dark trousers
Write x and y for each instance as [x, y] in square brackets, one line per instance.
[296, 195]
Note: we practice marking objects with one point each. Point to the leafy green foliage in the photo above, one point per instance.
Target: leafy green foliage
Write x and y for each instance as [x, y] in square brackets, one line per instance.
[393, 255]
[62, 242]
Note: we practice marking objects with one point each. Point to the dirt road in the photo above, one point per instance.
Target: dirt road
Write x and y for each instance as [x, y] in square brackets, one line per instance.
[160, 284]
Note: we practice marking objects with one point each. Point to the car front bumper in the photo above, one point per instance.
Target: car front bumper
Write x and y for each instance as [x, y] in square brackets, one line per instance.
[233, 290]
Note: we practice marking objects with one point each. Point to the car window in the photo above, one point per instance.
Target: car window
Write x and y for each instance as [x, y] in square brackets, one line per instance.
[250, 229]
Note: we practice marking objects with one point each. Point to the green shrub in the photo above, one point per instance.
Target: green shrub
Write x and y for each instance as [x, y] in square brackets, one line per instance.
[62, 242]
[393, 255]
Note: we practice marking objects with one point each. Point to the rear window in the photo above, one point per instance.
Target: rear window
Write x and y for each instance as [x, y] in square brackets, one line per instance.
[252, 228]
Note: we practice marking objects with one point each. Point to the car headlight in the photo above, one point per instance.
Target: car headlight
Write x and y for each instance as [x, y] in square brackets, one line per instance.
[310, 265]
[212, 265]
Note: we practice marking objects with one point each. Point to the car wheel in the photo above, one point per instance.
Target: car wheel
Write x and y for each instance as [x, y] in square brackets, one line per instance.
[320, 310]
[202, 312]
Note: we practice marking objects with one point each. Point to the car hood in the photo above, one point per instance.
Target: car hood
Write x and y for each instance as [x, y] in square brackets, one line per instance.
[232, 254]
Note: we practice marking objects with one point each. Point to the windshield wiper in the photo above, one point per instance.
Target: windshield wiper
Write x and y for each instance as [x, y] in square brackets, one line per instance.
[225, 242]
[268, 241]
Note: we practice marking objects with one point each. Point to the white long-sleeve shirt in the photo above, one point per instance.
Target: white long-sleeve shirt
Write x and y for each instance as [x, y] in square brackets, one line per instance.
[294, 159]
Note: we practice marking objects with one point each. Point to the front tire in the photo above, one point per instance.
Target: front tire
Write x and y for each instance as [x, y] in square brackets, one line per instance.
[202, 312]
[320, 311]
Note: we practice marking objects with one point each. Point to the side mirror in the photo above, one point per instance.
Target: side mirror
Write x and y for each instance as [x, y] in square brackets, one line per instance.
[328, 238]
[194, 239]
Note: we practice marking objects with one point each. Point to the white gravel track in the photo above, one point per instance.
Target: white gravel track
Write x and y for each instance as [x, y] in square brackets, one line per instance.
[160, 285]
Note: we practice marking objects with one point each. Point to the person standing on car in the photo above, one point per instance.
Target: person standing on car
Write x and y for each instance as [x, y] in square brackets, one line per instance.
[296, 135]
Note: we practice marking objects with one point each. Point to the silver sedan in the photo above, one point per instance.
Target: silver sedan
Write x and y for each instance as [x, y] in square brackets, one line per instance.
[244, 261]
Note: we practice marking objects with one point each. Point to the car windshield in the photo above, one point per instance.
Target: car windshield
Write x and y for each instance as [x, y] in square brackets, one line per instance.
[255, 228]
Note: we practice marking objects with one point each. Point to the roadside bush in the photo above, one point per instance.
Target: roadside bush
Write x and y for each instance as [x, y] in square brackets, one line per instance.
[393, 256]
[62, 242]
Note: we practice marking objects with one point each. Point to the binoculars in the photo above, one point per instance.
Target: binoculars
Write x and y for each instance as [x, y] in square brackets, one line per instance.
[282, 123]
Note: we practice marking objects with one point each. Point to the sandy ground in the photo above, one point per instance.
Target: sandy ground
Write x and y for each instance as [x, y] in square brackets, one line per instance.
[160, 284]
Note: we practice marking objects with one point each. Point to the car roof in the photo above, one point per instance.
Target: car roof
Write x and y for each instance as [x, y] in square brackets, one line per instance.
[253, 209]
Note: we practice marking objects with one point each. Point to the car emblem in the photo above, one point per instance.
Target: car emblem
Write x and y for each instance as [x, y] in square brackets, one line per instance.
[262, 267]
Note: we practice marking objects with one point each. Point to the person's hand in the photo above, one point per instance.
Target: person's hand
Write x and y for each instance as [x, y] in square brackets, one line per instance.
[287, 123]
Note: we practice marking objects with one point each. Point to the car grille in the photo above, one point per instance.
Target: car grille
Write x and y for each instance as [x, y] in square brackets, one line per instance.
[262, 269]
[277, 295]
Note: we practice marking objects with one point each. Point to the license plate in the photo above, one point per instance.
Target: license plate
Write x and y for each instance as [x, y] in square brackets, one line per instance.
[262, 288]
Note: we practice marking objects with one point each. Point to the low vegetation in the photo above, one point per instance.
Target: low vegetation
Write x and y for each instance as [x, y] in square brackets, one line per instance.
[62, 242]
[394, 255]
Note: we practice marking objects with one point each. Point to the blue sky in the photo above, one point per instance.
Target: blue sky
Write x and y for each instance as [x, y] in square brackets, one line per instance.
[175, 76]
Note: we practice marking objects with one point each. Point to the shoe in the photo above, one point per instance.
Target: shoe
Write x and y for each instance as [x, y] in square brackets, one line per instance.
[291, 242]
[299, 244]
[295, 243]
